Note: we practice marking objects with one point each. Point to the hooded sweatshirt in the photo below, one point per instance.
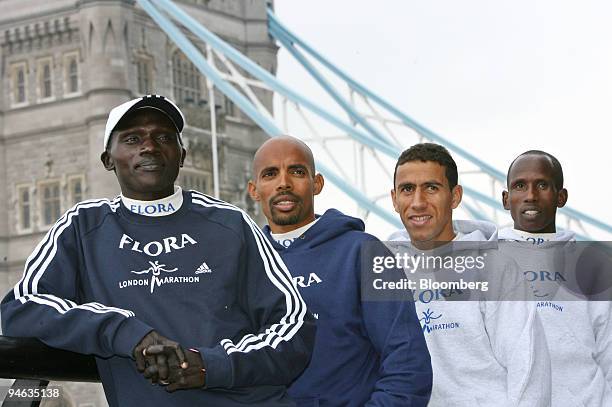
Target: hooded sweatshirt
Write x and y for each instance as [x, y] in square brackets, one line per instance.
[204, 276]
[484, 352]
[367, 353]
[578, 332]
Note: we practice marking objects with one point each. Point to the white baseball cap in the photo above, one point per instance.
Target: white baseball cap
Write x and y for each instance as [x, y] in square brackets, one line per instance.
[155, 101]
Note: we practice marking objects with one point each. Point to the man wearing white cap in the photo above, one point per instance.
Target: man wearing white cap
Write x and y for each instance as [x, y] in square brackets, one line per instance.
[185, 284]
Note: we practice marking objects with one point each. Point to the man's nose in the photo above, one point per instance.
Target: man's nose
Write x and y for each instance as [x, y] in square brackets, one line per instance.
[148, 144]
[418, 199]
[284, 182]
[531, 194]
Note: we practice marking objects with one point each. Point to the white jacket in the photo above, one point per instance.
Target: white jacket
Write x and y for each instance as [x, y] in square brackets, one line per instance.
[485, 352]
[578, 332]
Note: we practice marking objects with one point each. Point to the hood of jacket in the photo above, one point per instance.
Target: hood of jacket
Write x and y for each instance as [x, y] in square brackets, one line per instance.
[483, 234]
[330, 225]
[472, 230]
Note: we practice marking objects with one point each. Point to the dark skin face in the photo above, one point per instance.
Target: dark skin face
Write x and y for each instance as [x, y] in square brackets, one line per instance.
[532, 197]
[424, 200]
[284, 183]
[145, 154]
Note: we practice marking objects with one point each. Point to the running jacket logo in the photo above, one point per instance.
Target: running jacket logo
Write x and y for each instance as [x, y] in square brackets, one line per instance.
[154, 248]
[301, 281]
[548, 304]
[427, 318]
[536, 241]
[155, 269]
[428, 325]
[153, 208]
[427, 296]
[542, 276]
[157, 279]
[203, 269]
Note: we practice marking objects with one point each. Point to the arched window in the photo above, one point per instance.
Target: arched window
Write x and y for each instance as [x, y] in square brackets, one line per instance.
[25, 206]
[50, 202]
[19, 83]
[72, 81]
[20, 94]
[46, 81]
[73, 76]
[75, 192]
[185, 79]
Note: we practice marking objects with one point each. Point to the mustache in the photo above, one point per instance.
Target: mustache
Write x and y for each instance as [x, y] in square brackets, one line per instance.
[283, 195]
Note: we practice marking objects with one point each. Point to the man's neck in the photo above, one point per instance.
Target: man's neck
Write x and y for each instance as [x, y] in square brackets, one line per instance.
[430, 244]
[442, 239]
[278, 229]
[547, 230]
[149, 196]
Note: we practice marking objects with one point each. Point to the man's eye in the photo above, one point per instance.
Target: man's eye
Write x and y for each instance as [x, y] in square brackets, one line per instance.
[165, 138]
[408, 188]
[519, 186]
[130, 139]
[299, 171]
[543, 185]
[267, 174]
[432, 188]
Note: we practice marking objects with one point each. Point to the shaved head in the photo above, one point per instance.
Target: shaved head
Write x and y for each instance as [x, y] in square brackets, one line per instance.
[284, 183]
[554, 163]
[278, 144]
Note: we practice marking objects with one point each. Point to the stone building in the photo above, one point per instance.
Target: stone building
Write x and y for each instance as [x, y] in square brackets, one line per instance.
[64, 64]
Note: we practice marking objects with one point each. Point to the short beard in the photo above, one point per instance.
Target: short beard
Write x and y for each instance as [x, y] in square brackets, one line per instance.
[281, 220]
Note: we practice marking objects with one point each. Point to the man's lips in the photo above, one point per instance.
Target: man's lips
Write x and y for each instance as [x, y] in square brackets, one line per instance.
[531, 213]
[419, 220]
[285, 203]
[150, 165]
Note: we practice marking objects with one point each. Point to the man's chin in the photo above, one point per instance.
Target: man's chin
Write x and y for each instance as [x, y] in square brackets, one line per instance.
[285, 219]
[152, 187]
[533, 225]
[417, 235]
[421, 238]
[533, 229]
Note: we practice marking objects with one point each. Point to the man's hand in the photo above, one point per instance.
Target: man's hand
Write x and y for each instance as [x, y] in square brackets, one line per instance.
[154, 355]
[190, 375]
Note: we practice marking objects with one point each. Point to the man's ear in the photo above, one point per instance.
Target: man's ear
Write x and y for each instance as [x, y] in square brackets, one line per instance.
[183, 155]
[107, 161]
[562, 198]
[456, 196]
[505, 200]
[253, 191]
[395, 206]
[319, 182]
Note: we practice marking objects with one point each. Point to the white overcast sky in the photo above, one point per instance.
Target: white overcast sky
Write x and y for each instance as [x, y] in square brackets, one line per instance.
[496, 77]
